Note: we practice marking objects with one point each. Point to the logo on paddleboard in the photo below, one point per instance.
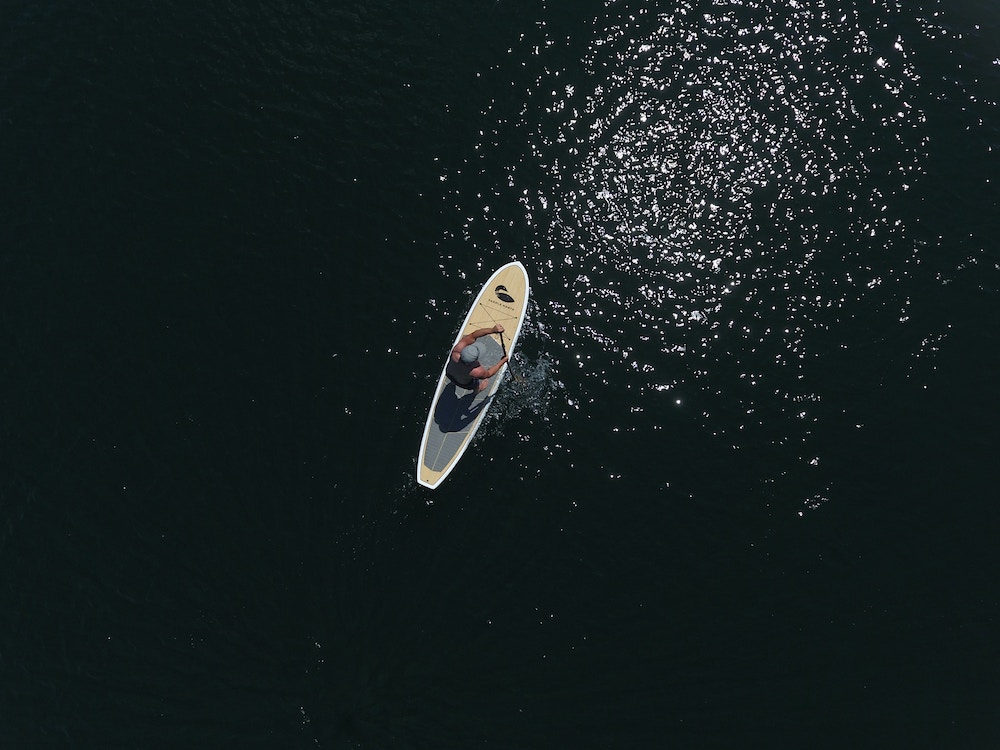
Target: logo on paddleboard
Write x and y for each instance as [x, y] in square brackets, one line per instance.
[501, 293]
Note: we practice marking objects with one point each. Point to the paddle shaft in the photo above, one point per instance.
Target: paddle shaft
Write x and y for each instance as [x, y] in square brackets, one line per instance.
[509, 364]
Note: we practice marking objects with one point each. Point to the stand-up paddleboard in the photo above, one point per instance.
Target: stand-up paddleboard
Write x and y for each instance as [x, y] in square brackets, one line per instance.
[456, 413]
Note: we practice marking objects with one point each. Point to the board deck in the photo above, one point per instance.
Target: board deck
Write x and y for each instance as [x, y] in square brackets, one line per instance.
[456, 413]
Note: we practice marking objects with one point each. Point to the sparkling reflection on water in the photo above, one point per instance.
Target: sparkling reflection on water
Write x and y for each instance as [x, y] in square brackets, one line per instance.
[719, 202]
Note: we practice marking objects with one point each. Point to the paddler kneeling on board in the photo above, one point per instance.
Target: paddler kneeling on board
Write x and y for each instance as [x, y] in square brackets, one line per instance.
[464, 369]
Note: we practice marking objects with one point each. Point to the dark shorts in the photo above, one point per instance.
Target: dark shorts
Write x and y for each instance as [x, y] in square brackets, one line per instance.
[472, 385]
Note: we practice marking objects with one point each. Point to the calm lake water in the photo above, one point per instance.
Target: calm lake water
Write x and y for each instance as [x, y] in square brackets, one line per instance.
[745, 495]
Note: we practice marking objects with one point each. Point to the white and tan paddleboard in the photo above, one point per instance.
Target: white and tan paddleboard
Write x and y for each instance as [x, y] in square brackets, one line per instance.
[456, 413]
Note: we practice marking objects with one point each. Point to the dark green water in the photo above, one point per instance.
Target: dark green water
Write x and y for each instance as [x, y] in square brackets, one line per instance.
[746, 496]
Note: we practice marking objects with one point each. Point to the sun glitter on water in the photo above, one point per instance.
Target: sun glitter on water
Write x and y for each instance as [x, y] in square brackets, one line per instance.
[717, 195]
[716, 152]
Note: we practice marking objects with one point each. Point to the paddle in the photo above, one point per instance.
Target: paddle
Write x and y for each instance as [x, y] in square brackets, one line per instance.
[509, 363]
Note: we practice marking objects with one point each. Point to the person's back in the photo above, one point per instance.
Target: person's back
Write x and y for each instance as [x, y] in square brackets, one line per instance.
[464, 368]
[460, 372]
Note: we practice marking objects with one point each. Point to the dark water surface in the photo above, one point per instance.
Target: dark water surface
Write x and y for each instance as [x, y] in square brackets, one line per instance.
[744, 497]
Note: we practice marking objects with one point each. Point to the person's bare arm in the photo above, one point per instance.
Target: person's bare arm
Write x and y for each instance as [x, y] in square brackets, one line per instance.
[489, 373]
[483, 332]
[470, 338]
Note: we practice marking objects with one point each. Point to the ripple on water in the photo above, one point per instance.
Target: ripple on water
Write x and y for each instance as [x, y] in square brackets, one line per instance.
[718, 199]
